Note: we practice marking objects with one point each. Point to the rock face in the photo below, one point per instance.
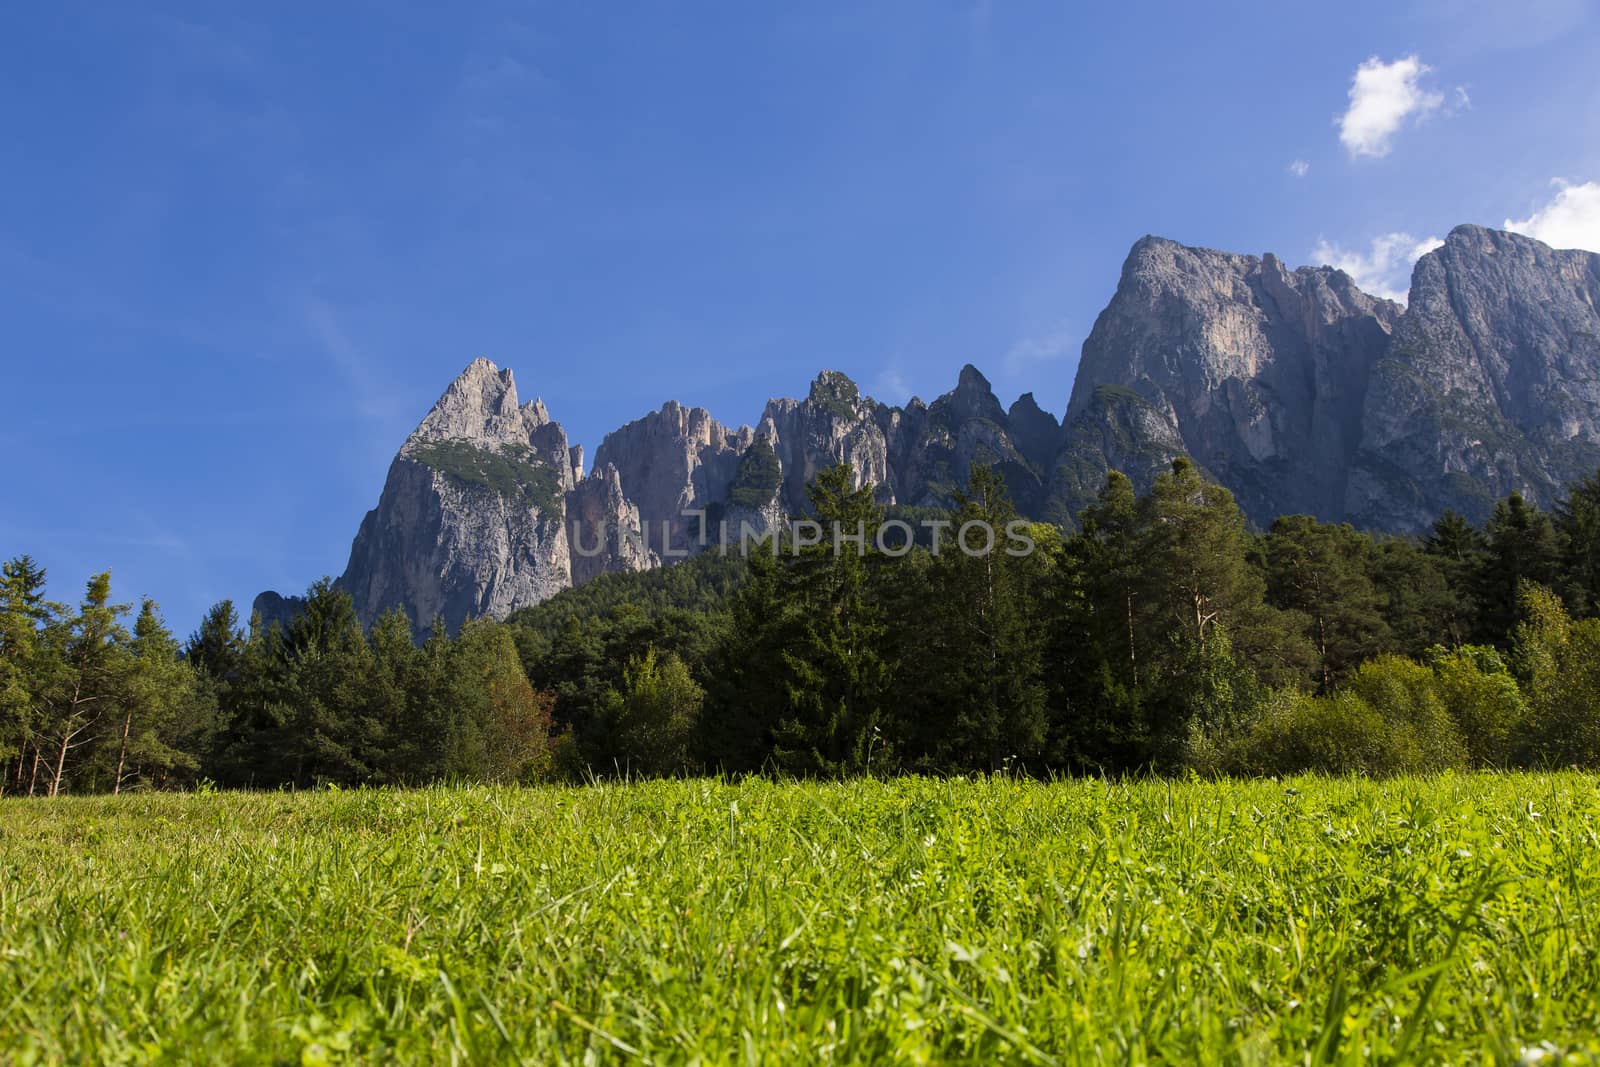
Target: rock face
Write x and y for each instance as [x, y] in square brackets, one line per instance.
[1294, 389]
[674, 462]
[1491, 384]
[834, 424]
[471, 520]
[1259, 372]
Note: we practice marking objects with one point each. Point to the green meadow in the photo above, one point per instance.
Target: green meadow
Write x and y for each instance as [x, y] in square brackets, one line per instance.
[911, 921]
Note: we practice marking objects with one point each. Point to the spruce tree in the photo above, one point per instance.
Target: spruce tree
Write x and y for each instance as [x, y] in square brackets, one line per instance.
[837, 677]
[979, 646]
[1324, 573]
[1577, 523]
[24, 614]
[166, 718]
[1520, 546]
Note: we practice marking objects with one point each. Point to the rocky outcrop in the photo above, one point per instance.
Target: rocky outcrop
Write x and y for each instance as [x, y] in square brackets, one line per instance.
[605, 528]
[472, 519]
[932, 448]
[834, 424]
[1490, 386]
[673, 463]
[1117, 429]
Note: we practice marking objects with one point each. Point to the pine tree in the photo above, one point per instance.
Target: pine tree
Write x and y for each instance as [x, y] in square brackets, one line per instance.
[1420, 610]
[1520, 546]
[837, 676]
[24, 613]
[1096, 659]
[80, 677]
[979, 648]
[166, 719]
[1194, 554]
[1323, 572]
[1209, 610]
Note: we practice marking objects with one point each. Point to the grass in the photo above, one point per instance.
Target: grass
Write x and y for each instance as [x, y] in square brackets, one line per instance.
[1417, 920]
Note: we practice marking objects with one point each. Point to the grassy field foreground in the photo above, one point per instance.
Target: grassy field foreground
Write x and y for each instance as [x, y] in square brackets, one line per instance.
[914, 920]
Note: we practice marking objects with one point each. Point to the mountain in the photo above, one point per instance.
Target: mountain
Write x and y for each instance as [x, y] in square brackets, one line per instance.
[1293, 388]
[1256, 371]
[1490, 385]
[473, 516]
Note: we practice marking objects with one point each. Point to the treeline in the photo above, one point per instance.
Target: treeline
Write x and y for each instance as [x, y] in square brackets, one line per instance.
[1162, 635]
[88, 705]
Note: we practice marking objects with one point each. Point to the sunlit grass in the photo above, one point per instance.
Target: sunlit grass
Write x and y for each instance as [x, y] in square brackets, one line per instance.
[916, 920]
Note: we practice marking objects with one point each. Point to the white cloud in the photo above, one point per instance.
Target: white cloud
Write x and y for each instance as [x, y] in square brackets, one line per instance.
[890, 387]
[1055, 343]
[1570, 220]
[1299, 168]
[1384, 270]
[1382, 96]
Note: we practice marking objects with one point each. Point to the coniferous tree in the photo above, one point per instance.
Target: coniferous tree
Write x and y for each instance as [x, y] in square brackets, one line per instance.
[1420, 608]
[748, 688]
[979, 649]
[1459, 548]
[24, 612]
[500, 729]
[837, 677]
[216, 649]
[166, 718]
[1577, 523]
[1323, 572]
[1209, 609]
[80, 675]
[1520, 546]
[404, 738]
[1096, 656]
[1193, 553]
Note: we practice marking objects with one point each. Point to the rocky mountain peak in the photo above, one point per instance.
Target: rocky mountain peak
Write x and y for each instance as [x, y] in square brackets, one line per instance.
[973, 398]
[833, 391]
[1036, 431]
[1490, 386]
[1259, 371]
[481, 405]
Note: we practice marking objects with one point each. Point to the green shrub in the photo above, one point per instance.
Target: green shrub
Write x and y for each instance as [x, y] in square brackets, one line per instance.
[1296, 733]
[1482, 697]
[1420, 730]
[1560, 663]
[513, 471]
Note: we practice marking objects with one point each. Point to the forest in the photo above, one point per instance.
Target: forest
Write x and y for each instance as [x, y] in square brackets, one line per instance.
[1162, 636]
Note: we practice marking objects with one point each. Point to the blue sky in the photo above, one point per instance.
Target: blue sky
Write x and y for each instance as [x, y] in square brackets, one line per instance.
[244, 247]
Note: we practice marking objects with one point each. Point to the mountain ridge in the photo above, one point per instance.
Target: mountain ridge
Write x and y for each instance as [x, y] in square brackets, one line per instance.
[1294, 388]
